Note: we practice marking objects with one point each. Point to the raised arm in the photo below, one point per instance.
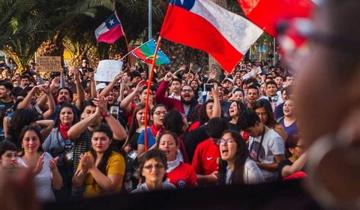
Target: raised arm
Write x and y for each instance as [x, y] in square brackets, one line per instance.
[118, 130]
[47, 126]
[217, 106]
[93, 93]
[24, 104]
[161, 97]
[125, 103]
[50, 101]
[76, 130]
[79, 89]
[295, 167]
[110, 86]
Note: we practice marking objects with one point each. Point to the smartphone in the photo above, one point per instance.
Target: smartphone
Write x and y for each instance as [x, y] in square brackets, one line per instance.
[208, 87]
[114, 111]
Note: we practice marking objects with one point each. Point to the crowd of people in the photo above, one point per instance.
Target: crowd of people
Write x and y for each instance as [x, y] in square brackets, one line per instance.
[81, 138]
[84, 138]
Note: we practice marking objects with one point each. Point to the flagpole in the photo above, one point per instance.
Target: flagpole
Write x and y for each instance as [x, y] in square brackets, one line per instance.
[122, 58]
[127, 46]
[151, 75]
[149, 23]
[122, 29]
[150, 19]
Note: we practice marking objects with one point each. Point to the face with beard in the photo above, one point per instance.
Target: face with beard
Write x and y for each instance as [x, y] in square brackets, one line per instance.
[187, 94]
[64, 96]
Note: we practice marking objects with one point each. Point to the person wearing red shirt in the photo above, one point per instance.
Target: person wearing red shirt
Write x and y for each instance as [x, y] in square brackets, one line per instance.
[187, 103]
[205, 160]
[180, 174]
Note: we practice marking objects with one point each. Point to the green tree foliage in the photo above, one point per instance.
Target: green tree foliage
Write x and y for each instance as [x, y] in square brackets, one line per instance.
[26, 24]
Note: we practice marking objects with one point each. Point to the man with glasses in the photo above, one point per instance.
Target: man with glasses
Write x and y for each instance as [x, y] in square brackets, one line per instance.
[187, 103]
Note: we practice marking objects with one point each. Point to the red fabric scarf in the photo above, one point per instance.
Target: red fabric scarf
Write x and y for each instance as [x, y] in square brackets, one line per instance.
[154, 130]
[63, 130]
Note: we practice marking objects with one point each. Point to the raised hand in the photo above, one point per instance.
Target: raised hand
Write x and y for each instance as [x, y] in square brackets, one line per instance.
[140, 86]
[215, 91]
[168, 77]
[118, 77]
[101, 104]
[212, 74]
[53, 163]
[87, 162]
[39, 165]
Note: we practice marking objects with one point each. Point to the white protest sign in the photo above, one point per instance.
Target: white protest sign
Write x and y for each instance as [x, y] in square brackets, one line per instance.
[107, 70]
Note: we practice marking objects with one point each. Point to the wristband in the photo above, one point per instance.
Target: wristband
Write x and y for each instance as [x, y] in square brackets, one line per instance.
[105, 114]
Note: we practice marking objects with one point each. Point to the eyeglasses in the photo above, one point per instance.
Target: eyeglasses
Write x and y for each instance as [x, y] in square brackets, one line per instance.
[226, 141]
[187, 90]
[156, 166]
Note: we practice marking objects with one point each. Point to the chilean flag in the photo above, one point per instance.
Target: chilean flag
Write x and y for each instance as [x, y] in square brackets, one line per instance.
[267, 13]
[204, 25]
[110, 30]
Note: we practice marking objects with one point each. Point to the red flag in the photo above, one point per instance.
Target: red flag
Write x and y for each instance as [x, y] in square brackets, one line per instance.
[204, 25]
[267, 13]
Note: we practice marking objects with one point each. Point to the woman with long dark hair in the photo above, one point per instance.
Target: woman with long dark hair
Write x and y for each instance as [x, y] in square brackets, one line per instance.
[137, 126]
[26, 117]
[101, 170]
[263, 109]
[235, 166]
[179, 173]
[60, 146]
[235, 109]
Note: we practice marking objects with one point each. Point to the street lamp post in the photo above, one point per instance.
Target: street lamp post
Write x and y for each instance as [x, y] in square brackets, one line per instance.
[150, 19]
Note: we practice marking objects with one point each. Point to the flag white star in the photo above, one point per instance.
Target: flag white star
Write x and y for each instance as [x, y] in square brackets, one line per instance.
[111, 22]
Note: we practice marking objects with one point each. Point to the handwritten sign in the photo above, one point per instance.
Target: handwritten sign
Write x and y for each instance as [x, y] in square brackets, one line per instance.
[107, 70]
[48, 63]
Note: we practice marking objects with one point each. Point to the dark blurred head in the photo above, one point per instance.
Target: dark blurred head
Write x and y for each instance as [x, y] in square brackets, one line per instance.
[216, 126]
[174, 122]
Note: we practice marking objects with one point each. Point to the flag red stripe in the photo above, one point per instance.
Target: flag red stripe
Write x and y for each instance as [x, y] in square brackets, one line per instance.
[112, 35]
[189, 29]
